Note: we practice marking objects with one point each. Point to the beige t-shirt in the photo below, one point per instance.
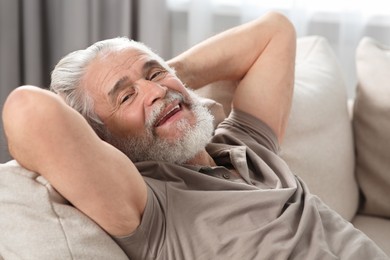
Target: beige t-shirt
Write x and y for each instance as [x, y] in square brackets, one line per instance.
[196, 212]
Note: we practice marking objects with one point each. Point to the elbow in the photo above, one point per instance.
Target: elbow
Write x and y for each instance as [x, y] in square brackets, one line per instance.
[20, 109]
[281, 24]
[17, 115]
[25, 114]
[16, 111]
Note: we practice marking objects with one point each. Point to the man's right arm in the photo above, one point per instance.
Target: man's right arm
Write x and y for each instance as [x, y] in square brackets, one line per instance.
[259, 56]
[48, 137]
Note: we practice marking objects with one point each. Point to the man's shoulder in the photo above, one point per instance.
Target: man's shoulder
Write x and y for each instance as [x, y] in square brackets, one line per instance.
[241, 128]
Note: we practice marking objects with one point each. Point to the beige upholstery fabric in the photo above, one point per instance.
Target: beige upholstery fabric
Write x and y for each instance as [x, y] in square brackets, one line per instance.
[318, 144]
[378, 229]
[221, 91]
[372, 126]
[37, 223]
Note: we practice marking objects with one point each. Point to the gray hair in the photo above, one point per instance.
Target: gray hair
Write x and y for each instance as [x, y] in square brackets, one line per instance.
[68, 73]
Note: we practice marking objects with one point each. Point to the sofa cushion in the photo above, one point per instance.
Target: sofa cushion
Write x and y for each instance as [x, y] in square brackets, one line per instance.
[37, 223]
[319, 145]
[376, 228]
[372, 126]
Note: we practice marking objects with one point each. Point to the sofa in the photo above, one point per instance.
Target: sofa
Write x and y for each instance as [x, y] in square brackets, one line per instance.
[339, 147]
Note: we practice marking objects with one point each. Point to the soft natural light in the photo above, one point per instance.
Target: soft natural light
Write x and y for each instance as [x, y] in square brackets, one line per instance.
[342, 22]
[372, 7]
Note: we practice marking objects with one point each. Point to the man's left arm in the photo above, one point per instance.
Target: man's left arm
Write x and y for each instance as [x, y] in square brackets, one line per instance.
[260, 56]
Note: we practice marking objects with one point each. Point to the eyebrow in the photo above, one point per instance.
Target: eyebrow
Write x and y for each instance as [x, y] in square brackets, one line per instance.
[150, 64]
[118, 87]
[124, 81]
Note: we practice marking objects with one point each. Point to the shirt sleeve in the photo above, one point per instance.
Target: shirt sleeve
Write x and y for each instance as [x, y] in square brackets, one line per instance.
[249, 130]
[147, 240]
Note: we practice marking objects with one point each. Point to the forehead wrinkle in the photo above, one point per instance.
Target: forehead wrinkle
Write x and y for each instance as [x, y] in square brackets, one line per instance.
[125, 80]
[117, 68]
[123, 60]
[150, 64]
[119, 85]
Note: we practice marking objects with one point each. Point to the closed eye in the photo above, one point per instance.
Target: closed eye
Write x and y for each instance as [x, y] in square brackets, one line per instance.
[125, 98]
[156, 74]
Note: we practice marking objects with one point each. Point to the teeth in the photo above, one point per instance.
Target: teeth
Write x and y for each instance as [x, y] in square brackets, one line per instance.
[175, 107]
[162, 118]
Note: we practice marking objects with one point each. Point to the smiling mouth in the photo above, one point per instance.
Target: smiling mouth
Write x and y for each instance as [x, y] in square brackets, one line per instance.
[167, 115]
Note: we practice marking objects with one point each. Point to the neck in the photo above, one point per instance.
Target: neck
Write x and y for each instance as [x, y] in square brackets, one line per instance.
[202, 158]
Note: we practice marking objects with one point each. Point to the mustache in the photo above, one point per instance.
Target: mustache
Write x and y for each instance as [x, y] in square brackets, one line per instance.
[158, 108]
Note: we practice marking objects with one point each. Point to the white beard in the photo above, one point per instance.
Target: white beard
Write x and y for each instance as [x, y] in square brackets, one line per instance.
[152, 147]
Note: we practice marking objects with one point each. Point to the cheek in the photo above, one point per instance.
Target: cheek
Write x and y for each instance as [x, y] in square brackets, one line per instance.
[127, 124]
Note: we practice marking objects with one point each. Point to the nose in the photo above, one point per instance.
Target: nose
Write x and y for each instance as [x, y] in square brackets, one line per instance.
[152, 92]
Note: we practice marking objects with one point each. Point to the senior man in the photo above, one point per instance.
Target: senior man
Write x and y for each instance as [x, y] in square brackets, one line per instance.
[151, 171]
